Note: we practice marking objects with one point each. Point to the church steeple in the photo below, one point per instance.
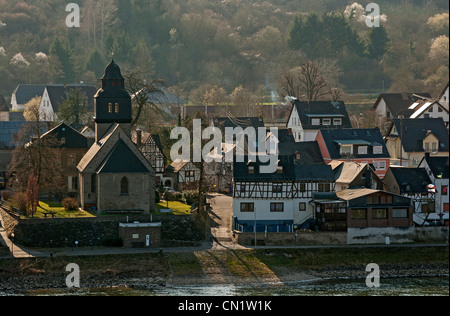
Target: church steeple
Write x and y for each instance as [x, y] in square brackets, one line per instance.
[112, 102]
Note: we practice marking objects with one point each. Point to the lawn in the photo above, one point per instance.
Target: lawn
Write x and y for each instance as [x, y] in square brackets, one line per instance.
[49, 206]
[178, 208]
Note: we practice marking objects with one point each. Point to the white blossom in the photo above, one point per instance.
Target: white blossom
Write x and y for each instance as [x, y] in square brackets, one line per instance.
[41, 56]
[19, 60]
[2, 51]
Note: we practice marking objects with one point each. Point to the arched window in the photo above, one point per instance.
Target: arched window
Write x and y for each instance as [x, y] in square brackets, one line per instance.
[110, 107]
[93, 183]
[124, 185]
[117, 108]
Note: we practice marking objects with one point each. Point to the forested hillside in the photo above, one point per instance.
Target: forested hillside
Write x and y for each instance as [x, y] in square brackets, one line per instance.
[231, 45]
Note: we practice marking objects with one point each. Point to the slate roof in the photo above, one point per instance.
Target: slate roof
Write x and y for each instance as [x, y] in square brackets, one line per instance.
[316, 109]
[67, 137]
[362, 136]
[416, 178]
[309, 152]
[244, 122]
[58, 93]
[398, 103]
[9, 129]
[26, 92]
[438, 166]
[415, 130]
[121, 159]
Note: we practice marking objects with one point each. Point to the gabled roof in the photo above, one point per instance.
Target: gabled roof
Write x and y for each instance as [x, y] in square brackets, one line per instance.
[121, 159]
[438, 166]
[322, 109]
[58, 93]
[347, 171]
[370, 137]
[178, 165]
[415, 130]
[26, 92]
[411, 180]
[67, 137]
[421, 106]
[398, 103]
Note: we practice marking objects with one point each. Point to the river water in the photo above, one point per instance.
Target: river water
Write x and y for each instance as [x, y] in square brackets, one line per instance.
[420, 286]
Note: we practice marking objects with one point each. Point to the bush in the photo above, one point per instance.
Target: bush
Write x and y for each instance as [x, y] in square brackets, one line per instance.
[191, 197]
[173, 196]
[6, 195]
[70, 204]
[19, 201]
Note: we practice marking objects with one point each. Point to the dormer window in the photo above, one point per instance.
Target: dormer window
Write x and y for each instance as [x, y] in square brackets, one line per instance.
[337, 121]
[346, 150]
[326, 121]
[362, 150]
[377, 149]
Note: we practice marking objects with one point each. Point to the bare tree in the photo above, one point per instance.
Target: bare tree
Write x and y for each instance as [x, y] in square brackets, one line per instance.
[311, 82]
[100, 17]
[145, 94]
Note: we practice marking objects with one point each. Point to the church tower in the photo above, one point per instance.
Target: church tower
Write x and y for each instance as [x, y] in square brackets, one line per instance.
[112, 102]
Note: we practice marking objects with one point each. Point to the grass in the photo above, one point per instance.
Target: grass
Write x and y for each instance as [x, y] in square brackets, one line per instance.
[50, 206]
[178, 208]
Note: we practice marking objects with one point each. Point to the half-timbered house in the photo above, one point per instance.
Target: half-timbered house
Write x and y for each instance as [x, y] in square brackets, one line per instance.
[280, 202]
[184, 175]
[150, 146]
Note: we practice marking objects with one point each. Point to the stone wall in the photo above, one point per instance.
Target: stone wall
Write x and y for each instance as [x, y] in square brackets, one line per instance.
[302, 238]
[431, 234]
[377, 235]
[99, 231]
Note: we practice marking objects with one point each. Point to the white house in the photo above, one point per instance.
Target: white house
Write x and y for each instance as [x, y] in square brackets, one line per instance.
[438, 171]
[279, 202]
[429, 109]
[443, 98]
[307, 118]
[23, 94]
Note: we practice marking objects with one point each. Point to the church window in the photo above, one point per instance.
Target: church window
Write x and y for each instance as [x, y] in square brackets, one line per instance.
[124, 186]
[93, 183]
[110, 107]
[117, 108]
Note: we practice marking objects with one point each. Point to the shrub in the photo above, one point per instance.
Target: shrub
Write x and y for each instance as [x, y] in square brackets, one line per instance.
[70, 204]
[19, 201]
[6, 195]
[191, 197]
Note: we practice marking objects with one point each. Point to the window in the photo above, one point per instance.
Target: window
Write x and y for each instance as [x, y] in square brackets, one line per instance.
[324, 187]
[431, 108]
[297, 155]
[359, 214]
[400, 213]
[124, 186]
[326, 121]
[110, 107]
[302, 207]
[93, 183]
[362, 150]
[242, 189]
[444, 190]
[440, 109]
[377, 150]
[346, 150]
[434, 148]
[315, 121]
[71, 160]
[280, 169]
[277, 207]
[337, 121]
[247, 207]
[117, 108]
[277, 188]
[379, 165]
[251, 169]
[379, 213]
[427, 147]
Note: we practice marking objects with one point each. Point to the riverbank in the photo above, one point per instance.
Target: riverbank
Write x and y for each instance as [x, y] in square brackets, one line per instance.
[215, 267]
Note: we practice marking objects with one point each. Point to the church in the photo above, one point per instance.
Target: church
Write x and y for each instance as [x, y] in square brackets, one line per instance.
[114, 176]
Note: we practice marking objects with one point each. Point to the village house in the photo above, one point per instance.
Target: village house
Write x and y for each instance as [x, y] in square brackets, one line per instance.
[429, 109]
[277, 202]
[358, 145]
[114, 175]
[351, 174]
[393, 105]
[438, 171]
[307, 118]
[150, 146]
[24, 93]
[409, 139]
[70, 147]
[182, 175]
[443, 97]
[413, 183]
[54, 95]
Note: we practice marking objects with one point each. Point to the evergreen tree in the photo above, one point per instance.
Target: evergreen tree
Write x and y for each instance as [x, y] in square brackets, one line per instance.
[379, 43]
[96, 63]
[62, 50]
[73, 110]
